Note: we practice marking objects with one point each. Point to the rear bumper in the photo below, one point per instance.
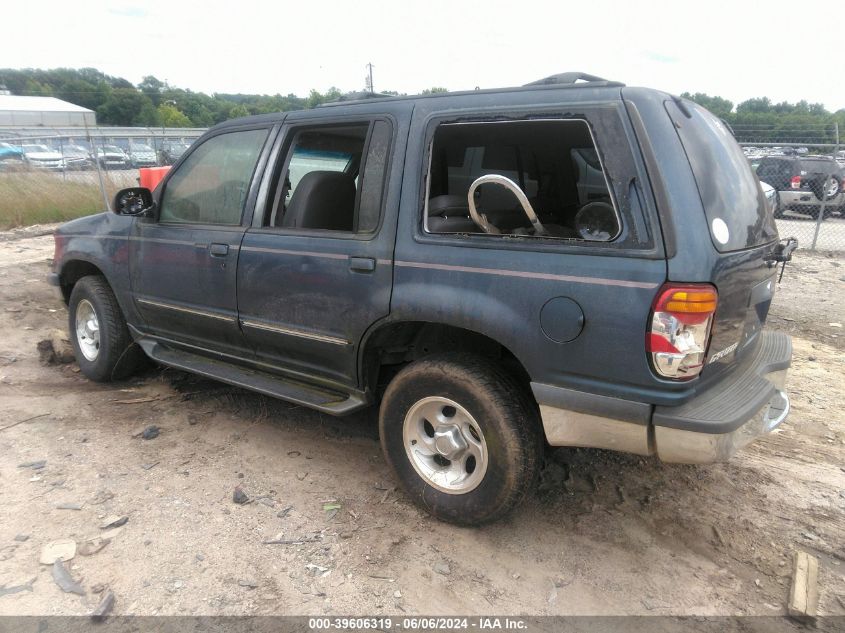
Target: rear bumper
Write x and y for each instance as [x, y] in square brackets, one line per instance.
[710, 427]
[699, 447]
[798, 198]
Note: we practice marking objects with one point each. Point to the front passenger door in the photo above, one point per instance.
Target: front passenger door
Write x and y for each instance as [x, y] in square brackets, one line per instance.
[184, 266]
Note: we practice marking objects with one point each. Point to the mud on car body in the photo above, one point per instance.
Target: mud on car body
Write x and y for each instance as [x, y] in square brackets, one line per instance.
[572, 262]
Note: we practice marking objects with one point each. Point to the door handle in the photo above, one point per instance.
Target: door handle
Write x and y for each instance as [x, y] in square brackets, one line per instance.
[362, 264]
[218, 250]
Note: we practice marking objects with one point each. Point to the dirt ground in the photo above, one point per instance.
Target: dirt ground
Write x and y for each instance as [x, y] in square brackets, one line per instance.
[607, 533]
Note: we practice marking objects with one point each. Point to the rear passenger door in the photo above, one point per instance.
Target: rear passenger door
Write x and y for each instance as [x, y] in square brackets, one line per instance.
[316, 267]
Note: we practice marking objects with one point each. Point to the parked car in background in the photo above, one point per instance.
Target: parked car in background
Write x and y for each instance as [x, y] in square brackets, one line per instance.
[42, 157]
[803, 182]
[10, 155]
[142, 155]
[77, 157]
[112, 157]
[771, 195]
[171, 151]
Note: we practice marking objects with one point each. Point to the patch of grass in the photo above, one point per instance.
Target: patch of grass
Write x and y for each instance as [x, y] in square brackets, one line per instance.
[30, 197]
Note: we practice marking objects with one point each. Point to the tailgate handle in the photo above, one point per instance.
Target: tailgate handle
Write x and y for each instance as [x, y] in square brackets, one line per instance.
[362, 264]
[219, 250]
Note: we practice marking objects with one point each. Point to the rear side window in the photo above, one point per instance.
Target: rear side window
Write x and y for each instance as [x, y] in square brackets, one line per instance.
[332, 178]
[526, 178]
[733, 201]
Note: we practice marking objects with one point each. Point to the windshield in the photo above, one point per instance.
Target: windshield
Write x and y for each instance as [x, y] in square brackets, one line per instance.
[36, 148]
[733, 201]
[141, 148]
[111, 149]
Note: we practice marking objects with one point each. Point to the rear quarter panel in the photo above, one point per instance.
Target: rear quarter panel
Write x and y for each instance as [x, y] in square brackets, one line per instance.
[499, 287]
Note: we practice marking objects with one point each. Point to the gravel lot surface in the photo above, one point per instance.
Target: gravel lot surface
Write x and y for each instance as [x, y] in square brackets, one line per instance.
[606, 534]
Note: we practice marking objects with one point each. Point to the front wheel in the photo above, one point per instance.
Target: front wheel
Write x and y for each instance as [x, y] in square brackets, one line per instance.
[462, 436]
[101, 341]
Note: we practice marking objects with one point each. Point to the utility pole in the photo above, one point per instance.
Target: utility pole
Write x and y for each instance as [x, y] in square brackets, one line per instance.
[370, 78]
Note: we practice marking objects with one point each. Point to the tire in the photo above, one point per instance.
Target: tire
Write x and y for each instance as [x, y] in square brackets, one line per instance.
[103, 348]
[485, 404]
[825, 188]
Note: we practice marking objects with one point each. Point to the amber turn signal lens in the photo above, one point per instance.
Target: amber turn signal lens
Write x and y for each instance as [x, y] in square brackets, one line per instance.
[688, 301]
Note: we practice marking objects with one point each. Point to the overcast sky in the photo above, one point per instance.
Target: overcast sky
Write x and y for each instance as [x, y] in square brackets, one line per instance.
[737, 50]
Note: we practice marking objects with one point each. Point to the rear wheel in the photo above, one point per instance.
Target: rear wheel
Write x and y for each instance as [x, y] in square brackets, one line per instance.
[101, 341]
[462, 436]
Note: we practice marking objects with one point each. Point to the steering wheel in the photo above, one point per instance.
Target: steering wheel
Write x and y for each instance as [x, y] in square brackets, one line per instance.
[481, 220]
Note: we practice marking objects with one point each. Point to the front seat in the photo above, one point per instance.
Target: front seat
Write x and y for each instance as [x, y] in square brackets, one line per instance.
[322, 200]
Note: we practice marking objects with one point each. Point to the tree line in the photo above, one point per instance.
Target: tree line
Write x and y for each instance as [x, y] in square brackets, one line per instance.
[760, 120]
[155, 103]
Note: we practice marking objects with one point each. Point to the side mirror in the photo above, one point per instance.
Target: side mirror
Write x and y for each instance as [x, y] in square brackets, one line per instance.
[133, 201]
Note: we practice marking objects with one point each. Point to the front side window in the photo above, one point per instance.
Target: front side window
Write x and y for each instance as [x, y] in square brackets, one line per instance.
[211, 186]
[540, 178]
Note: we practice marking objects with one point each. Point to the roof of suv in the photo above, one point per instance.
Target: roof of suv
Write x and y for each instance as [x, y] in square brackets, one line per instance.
[573, 79]
[568, 80]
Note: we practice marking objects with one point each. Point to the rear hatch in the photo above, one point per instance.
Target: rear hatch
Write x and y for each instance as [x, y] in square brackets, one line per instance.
[741, 229]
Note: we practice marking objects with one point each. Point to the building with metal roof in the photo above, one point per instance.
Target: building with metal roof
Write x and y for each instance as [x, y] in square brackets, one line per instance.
[17, 111]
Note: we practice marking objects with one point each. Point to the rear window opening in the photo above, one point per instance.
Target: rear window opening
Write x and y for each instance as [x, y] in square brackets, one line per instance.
[538, 179]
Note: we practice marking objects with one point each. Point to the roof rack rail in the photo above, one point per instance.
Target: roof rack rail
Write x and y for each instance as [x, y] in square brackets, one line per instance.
[571, 78]
[354, 97]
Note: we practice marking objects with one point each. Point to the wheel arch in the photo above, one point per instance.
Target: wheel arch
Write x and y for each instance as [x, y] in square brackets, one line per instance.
[390, 345]
[75, 269]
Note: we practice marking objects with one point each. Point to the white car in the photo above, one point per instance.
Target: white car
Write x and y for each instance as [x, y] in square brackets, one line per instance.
[43, 157]
[771, 195]
[112, 157]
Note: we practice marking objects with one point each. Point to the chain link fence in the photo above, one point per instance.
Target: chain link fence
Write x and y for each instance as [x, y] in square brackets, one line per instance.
[48, 177]
[805, 165]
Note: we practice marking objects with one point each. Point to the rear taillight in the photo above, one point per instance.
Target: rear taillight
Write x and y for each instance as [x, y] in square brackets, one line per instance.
[795, 183]
[680, 329]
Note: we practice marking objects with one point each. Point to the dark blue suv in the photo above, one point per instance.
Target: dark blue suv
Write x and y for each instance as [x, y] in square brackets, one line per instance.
[572, 262]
